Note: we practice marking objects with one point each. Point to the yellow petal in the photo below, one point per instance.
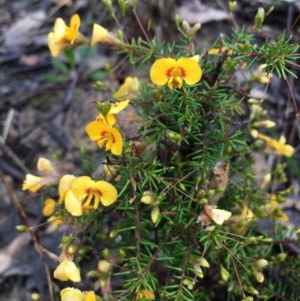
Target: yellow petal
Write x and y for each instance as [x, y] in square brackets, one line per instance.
[55, 47]
[65, 185]
[32, 183]
[108, 193]
[95, 129]
[67, 270]
[90, 296]
[217, 50]
[110, 119]
[74, 26]
[71, 294]
[117, 146]
[118, 106]
[159, 70]
[131, 85]
[81, 187]
[99, 34]
[59, 30]
[147, 294]
[219, 216]
[73, 204]
[49, 207]
[192, 70]
[288, 150]
[44, 165]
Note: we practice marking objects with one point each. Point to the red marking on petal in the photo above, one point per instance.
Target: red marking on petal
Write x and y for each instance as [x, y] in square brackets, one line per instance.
[103, 133]
[99, 192]
[182, 72]
[169, 72]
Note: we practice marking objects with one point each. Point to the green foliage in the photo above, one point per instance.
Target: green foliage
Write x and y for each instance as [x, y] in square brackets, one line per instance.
[193, 151]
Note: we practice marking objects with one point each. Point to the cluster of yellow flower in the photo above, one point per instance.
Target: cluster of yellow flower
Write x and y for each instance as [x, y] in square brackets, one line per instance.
[79, 194]
[63, 36]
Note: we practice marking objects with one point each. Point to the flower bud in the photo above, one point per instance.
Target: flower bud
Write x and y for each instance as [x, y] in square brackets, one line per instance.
[106, 253]
[259, 276]
[155, 213]
[124, 5]
[104, 266]
[22, 228]
[108, 4]
[177, 21]
[259, 18]
[134, 5]
[103, 107]
[266, 124]
[203, 262]
[195, 28]
[224, 274]
[186, 27]
[261, 263]
[281, 257]
[247, 298]
[148, 197]
[231, 6]
[199, 271]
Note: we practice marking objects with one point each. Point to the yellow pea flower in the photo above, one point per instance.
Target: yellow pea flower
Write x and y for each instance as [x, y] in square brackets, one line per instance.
[74, 294]
[146, 294]
[85, 189]
[63, 35]
[106, 135]
[102, 35]
[174, 72]
[50, 176]
[279, 147]
[219, 216]
[67, 270]
[219, 50]
[130, 86]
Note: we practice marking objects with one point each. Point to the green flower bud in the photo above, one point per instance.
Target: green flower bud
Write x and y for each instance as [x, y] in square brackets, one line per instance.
[281, 257]
[247, 298]
[124, 5]
[186, 27]
[106, 253]
[261, 263]
[203, 201]
[177, 21]
[195, 29]
[108, 4]
[224, 274]
[155, 213]
[148, 197]
[134, 5]
[103, 107]
[203, 262]
[259, 18]
[232, 6]
[258, 275]
[22, 228]
[251, 290]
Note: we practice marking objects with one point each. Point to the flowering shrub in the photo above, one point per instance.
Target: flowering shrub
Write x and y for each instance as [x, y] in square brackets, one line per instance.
[178, 206]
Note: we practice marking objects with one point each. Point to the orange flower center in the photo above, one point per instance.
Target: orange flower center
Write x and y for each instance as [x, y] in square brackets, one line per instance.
[175, 71]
